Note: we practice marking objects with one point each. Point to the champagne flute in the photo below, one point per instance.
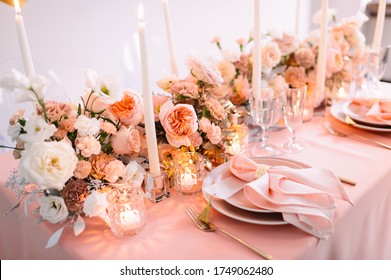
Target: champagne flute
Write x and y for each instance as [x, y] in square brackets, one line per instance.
[295, 93]
[376, 65]
[266, 107]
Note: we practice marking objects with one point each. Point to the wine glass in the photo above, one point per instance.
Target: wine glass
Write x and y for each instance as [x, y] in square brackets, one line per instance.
[295, 94]
[266, 107]
[376, 66]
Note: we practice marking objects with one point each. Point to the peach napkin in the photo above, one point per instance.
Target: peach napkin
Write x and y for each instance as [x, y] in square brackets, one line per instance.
[379, 110]
[305, 197]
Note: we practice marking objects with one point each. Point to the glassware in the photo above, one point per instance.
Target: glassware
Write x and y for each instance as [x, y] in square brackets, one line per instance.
[266, 107]
[189, 173]
[156, 187]
[295, 94]
[126, 210]
[376, 65]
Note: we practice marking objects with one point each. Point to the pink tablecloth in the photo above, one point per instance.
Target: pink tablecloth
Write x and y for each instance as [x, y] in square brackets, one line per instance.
[361, 232]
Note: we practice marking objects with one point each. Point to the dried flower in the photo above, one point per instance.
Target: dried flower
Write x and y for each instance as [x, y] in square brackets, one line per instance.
[75, 193]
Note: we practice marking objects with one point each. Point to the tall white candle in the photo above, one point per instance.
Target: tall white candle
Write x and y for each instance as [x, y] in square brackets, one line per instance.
[321, 67]
[170, 38]
[257, 55]
[149, 118]
[377, 37]
[23, 42]
[297, 22]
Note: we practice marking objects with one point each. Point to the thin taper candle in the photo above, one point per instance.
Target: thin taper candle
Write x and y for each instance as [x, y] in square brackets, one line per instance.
[23, 42]
[377, 37]
[170, 38]
[149, 119]
[321, 67]
[257, 56]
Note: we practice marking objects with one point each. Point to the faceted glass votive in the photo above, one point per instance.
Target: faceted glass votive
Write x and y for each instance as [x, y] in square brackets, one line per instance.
[156, 187]
[126, 210]
[235, 139]
[189, 173]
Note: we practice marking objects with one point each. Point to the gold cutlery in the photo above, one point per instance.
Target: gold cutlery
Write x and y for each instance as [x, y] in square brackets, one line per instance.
[337, 132]
[210, 227]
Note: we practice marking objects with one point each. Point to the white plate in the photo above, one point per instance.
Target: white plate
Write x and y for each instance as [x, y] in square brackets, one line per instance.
[357, 113]
[238, 207]
[336, 111]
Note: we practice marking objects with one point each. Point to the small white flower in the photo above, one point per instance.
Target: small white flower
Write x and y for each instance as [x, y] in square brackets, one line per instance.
[317, 17]
[87, 126]
[49, 165]
[105, 86]
[37, 130]
[95, 204]
[53, 209]
[134, 173]
[13, 131]
[166, 82]
[15, 80]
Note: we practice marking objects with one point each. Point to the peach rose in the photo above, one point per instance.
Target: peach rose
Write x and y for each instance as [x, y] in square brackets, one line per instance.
[295, 74]
[114, 170]
[158, 101]
[204, 71]
[278, 81]
[83, 169]
[335, 62]
[240, 91]
[108, 127]
[179, 122]
[305, 57]
[129, 110]
[126, 141]
[271, 56]
[95, 102]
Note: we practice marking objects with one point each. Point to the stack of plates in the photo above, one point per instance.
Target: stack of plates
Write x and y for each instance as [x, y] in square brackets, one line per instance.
[237, 206]
[340, 110]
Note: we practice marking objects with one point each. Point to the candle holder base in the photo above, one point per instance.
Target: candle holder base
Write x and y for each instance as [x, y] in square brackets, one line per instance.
[156, 188]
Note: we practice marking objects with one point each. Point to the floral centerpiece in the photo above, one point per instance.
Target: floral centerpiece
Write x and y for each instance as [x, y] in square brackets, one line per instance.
[71, 154]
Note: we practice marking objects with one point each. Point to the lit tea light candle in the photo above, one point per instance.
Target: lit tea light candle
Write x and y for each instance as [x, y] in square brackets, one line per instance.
[188, 179]
[130, 219]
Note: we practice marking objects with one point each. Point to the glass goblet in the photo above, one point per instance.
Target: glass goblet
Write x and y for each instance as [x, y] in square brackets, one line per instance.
[295, 94]
[266, 107]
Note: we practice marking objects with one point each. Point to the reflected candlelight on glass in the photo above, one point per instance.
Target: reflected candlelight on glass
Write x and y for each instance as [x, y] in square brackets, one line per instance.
[188, 173]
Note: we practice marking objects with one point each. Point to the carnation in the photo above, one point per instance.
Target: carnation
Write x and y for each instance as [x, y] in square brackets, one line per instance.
[87, 126]
[95, 204]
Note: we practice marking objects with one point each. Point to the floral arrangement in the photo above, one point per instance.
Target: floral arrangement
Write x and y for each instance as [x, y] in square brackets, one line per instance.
[193, 113]
[72, 154]
[285, 59]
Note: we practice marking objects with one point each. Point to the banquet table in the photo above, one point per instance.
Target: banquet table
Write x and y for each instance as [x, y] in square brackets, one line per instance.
[362, 231]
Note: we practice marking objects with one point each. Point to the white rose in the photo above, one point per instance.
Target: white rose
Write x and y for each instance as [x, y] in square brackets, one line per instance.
[134, 173]
[86, 126]
[48, 164]
[53, 209]
[37, 130]
[95, 204]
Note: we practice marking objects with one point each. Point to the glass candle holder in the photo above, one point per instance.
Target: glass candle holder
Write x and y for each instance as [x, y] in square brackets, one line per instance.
[189, 173]
[126, 210]
[235, 139]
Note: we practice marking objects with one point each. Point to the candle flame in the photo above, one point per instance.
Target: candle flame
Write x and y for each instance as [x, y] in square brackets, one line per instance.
[141, 12]
[17, 6]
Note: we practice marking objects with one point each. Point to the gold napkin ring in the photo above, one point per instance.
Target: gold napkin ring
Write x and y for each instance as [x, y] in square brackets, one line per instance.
[261, 170]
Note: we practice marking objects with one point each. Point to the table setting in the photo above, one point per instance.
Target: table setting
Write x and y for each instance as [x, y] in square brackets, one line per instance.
[277, 152]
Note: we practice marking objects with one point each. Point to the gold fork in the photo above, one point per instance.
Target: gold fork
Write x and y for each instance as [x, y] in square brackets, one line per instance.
[337, 132]
[210, 227]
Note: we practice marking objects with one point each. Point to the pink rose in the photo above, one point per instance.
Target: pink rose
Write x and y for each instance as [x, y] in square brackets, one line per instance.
[216, 109]
[108, 127]
[95, 102]
[271, 56]
[179, 122]
[114, 170]
[278, 81]
[129, 110]
[83, 169]
[126, 141]
[88, 145]
[295, 74]
[305, 57]
[158, 101]
[287, 44]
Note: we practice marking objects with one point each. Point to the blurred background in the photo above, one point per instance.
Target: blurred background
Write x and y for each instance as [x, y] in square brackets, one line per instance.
[66, 36]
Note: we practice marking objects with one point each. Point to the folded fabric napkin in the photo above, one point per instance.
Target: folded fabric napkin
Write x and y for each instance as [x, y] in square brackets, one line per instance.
[379, 110]
[305, 197]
